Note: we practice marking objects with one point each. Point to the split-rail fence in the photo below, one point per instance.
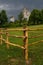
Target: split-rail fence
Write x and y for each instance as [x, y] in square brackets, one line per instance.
[25, 37]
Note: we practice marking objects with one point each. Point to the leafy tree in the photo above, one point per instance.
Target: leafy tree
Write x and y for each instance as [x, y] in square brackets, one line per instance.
[25, 22]
[16, 23]
[34, 17]
[22, 21]
[3, 17]
[41, 18]
[20, 17]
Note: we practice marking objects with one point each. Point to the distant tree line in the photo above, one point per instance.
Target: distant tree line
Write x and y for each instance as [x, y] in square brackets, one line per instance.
[36, 18]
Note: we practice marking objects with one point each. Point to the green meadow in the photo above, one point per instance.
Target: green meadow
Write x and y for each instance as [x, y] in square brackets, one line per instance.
[15, 56]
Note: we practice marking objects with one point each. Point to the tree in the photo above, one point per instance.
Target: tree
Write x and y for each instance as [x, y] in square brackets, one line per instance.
[34, 17]
[22, 21]
[3, 17]
[20, 17]
[41, 18]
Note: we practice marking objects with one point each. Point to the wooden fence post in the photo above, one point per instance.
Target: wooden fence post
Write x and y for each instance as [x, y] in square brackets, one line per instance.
[1, 37]
[26, 45]
[7, 40]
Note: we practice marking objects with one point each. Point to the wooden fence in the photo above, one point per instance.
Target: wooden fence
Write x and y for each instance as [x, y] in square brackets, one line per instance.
[25, 37]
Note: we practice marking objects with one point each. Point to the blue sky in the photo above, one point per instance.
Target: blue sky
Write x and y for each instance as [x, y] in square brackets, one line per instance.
[13, 7]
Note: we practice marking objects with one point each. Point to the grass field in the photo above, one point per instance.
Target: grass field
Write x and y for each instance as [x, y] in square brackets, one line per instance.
[14, 55]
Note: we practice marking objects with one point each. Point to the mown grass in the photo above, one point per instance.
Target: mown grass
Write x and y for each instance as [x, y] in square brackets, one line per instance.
[35, 51]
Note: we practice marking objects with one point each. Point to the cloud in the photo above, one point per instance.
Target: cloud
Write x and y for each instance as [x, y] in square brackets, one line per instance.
[4, 6]
[10, 7]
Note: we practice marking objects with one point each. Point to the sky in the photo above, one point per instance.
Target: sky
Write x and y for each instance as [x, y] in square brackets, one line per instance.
[14, 7]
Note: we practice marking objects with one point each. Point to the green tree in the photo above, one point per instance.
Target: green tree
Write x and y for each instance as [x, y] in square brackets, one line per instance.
[20, 17]
[22, 21]
[41, 18]
[3, 17]
[34, 17]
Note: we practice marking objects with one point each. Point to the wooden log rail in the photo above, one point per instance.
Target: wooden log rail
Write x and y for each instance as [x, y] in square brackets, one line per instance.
[35, 42]
[16, 36]
[21, 36]
[35, 29]
[12, 44]
[17, 29]
[36, 36]
[2, 32]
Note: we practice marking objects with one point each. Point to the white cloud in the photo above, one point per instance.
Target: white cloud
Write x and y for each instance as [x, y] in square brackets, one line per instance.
[9, 7]
[4, 6]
